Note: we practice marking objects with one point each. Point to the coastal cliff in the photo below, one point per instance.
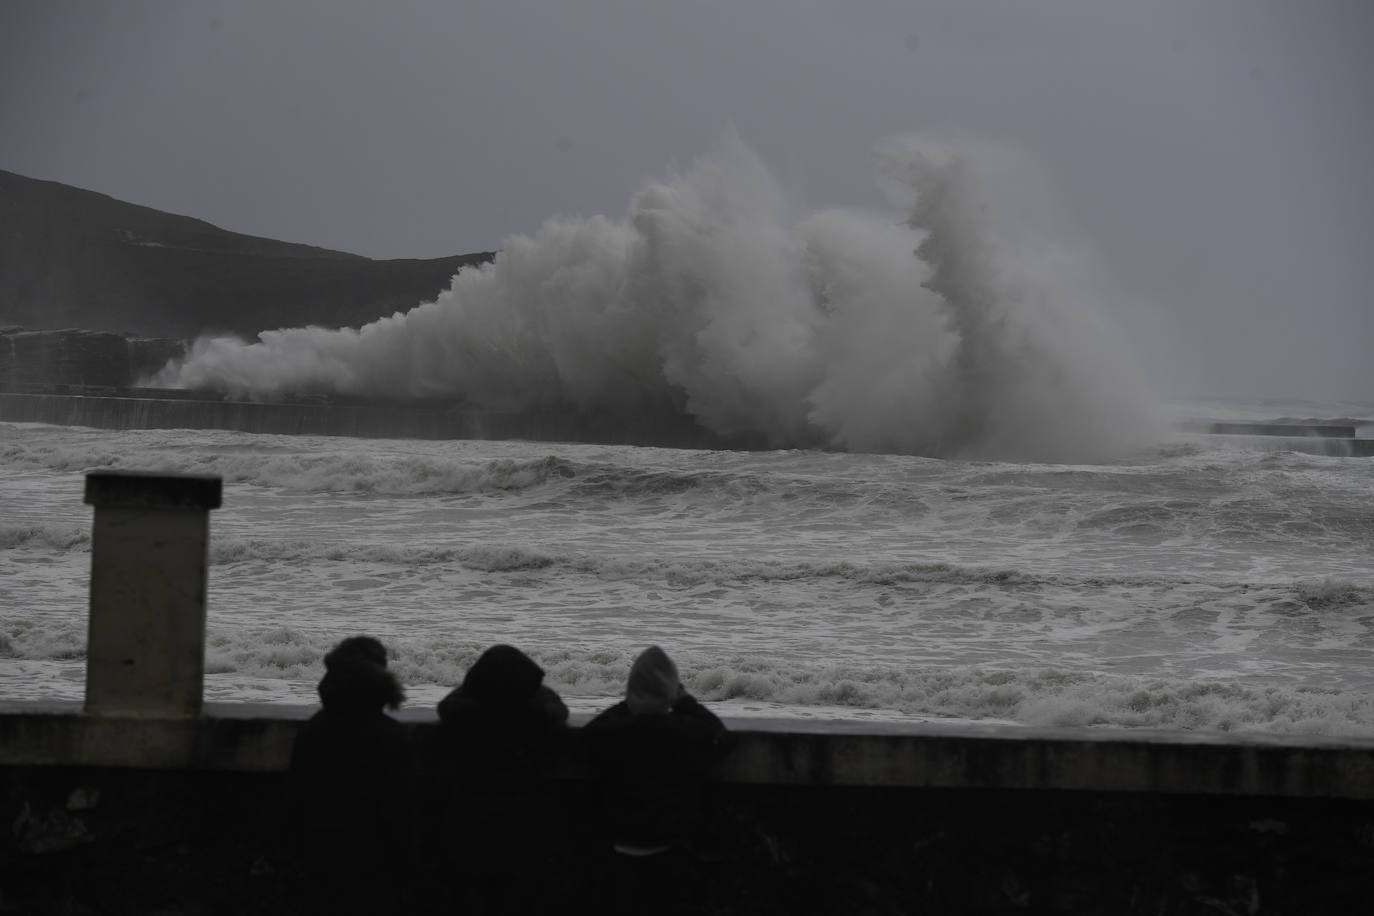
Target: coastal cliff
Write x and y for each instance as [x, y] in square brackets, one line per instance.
[71, 258]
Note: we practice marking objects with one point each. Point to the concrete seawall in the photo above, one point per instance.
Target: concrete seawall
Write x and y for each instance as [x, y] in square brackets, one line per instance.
[257, 738]
[194, 814]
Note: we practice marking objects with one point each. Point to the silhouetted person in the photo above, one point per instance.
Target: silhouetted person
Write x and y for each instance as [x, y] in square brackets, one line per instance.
[653, 751]
[503, 701]
[353, 772]
[499, 729]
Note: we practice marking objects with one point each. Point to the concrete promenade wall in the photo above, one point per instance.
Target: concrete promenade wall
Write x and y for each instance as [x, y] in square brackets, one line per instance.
[258, 738]
[194, 815]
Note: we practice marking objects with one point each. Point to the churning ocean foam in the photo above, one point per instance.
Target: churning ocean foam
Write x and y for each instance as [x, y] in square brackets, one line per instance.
[964, 328]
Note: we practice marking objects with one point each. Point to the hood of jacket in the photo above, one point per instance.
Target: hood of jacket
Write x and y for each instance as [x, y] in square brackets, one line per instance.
[503, 675]
[654, 684]
[356, 677]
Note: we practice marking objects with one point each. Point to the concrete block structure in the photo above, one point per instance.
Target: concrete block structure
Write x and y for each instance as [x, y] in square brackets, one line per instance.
[149, 549]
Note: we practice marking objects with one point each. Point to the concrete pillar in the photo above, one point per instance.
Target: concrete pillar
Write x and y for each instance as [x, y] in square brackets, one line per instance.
[145, 654]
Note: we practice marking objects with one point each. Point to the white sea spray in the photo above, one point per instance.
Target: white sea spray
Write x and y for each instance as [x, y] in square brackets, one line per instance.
[962, 324]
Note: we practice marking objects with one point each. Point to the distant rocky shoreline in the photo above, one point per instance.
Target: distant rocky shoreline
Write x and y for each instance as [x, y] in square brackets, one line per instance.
[33, 358]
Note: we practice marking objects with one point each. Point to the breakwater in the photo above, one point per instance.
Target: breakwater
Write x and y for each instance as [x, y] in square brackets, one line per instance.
[147, 408]
[1337, 440]
[113, 407]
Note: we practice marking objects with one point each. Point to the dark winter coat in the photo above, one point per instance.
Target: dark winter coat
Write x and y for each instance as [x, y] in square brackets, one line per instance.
[502, 718]
[498, 732]
[353, 774]
[653, 768]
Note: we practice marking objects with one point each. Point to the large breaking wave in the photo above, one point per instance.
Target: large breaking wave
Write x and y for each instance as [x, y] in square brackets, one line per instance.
[965, 327]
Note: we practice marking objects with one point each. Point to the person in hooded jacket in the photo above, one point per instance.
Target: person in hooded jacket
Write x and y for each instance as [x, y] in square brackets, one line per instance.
[653, 751]
[353, 772]
[503, 701]
[498, 731]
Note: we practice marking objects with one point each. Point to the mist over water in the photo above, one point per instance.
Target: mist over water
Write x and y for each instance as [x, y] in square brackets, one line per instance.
[962, 325]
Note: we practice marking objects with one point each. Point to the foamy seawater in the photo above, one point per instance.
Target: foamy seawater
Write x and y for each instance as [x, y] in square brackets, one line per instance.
[1198, 584]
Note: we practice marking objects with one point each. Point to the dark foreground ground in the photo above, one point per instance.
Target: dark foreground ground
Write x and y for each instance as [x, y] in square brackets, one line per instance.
[83, 842]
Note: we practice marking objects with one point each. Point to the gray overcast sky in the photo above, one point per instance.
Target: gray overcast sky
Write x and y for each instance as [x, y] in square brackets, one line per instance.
[1215, 155]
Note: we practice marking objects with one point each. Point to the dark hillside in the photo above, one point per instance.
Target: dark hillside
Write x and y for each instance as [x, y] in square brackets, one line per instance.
[77, 259]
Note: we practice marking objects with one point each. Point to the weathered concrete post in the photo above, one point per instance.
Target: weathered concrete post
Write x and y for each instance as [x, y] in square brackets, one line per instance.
[145, 654]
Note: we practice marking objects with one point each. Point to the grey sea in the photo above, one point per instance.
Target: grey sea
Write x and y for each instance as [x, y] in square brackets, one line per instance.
[1205, 582]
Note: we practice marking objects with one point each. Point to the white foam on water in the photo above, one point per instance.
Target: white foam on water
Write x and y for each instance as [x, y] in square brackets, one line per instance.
[1201, 588]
